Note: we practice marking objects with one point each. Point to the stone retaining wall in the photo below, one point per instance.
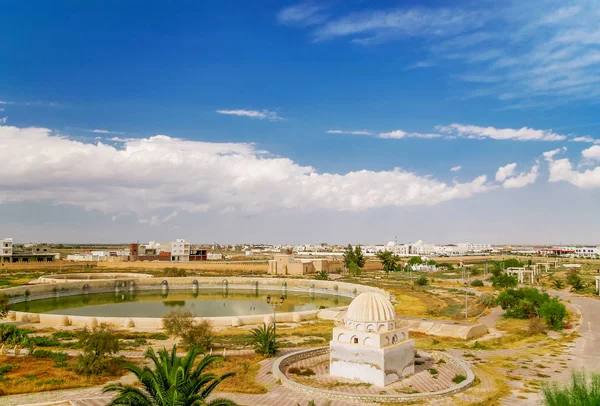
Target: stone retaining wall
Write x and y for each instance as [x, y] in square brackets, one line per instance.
[280, 365]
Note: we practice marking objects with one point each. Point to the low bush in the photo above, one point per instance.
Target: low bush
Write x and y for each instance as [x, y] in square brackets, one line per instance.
[433, 371]
[536, 326]
[477, 282]
[98, 347]
[459, 378]
[487, 299]
[175, 272]
[60, 358]
[421, 280]
[264, 340]
[528, 303]
[553, 313]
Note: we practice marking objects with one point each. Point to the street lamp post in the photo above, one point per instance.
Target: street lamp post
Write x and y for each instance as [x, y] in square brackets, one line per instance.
[274, 307]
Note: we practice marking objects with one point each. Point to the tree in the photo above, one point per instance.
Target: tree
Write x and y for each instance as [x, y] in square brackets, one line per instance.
[389, 260]
[349, 256]
[193, 333]
[173, 381]
[359, 258]
[415, 261]
[98, 345]
[513, 263]
[178, 322]
[497, 269]
[265, 340]
[504, 281]
[353, 269]
[553, 312]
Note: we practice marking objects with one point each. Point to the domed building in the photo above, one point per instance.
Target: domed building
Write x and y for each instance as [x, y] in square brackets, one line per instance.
[368, 346]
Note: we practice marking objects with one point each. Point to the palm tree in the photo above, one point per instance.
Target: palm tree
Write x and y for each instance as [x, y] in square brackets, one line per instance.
[173, 381]
[265, 340]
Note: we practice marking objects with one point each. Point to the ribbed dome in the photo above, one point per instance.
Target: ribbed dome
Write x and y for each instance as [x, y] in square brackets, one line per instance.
[370, 307]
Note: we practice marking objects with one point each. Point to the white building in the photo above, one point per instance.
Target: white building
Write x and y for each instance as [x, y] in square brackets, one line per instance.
[6, 247]
[179, 249]
[369, 346]
[585, 251]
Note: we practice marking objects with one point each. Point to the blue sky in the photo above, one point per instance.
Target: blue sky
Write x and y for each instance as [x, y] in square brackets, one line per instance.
[342, 120]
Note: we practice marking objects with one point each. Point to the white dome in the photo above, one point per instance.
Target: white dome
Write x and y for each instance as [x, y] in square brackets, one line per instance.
[370, 307]
[391, 244]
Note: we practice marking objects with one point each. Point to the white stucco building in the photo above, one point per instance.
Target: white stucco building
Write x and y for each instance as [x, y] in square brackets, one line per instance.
[369, 346]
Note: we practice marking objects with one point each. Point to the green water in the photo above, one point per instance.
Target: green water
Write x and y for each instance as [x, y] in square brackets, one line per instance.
[205, 303]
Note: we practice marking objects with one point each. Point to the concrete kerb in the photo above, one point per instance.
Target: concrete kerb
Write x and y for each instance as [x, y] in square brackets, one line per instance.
[84, 286]
[281, 363]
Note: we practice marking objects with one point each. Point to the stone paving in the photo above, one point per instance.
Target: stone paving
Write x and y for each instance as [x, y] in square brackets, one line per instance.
[422, 381]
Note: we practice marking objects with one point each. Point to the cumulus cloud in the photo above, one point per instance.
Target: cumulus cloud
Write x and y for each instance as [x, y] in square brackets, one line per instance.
[510, 180]
[456, 168]
[165, 173]
[562, 170]
[3, 120]
[521, 134]
[505, 172]
[360, 132]
[399, 134]
[591, 153]
[261, 115]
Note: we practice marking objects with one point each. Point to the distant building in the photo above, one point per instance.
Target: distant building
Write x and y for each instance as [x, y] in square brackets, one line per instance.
[283, 264]
[33, 253]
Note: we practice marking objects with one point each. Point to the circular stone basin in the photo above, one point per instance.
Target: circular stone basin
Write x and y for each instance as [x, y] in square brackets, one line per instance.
[203, 303]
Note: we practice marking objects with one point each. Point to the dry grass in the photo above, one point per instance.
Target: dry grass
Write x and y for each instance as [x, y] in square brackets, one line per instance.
[246, 368]
[37, 375]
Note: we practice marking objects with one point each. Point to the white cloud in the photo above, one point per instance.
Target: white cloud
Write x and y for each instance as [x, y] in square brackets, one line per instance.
[562, 170]
[521, 134]
[360, 132]
[523, 179]
[456, 168]
[107, 132]
[261, 115]
[399, 134]
[543, 52]
[585, 138]
[156, 220]
[163, 173]
[3, 120]
[303, 15]
[505, 172]
[510, 180]
[591, 153]
[375, 26]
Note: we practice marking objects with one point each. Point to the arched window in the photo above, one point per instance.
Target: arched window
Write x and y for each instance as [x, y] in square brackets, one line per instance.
[394, 339]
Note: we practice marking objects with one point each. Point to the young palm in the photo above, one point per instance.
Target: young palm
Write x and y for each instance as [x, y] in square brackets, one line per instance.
[172, 382]
[264, 340]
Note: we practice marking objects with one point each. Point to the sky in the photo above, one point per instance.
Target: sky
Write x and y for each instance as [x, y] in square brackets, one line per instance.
[300, 122]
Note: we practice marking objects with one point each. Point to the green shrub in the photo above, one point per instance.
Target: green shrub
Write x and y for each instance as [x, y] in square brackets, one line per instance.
[175, 272]
[513, 263]
[199, 335]
[322, 275]
[504, 281]
[64, 335]
[158, 336]
[553, 313]
[477, 282]
[557, 283]
[421, 280]
[11, 334]
[459, 378]
[43, 341]
[4, 307]
[433, 371]
[98, 346]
